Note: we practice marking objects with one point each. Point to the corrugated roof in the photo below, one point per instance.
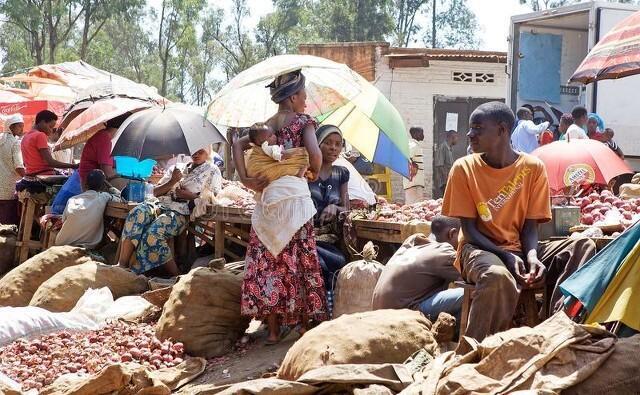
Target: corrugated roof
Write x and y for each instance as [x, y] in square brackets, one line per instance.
[447, 54]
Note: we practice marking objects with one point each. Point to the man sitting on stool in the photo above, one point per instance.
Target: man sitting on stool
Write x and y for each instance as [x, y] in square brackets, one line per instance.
[419, 273]
[500, 196]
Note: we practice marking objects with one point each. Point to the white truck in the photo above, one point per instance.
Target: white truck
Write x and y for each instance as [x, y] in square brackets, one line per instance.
[546, 47]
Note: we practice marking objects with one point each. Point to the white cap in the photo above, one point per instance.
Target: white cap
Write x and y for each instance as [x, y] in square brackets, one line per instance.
[13, 119]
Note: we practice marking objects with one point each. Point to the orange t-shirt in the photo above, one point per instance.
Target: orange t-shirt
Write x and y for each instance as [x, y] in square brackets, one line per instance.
[500, 199]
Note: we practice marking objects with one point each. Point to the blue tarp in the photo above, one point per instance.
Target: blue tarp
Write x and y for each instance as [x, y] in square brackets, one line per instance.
[590, 281]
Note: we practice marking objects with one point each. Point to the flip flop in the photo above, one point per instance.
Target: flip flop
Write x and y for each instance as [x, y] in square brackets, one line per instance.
[284, 332]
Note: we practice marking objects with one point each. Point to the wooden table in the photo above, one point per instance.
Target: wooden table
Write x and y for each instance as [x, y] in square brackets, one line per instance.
[389, 232]
[115, 213]
[230, 225]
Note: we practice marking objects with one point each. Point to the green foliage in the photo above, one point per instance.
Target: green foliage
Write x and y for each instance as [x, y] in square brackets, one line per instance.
[188, 49]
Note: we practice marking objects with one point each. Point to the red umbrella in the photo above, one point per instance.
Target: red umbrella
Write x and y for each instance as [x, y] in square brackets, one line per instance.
[580, 162]
[616, 55]
[93, 119]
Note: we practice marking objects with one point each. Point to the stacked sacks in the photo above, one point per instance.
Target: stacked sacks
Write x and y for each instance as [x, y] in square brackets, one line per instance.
[373, 337]
[19, 285]
[203, 312]
[62, 291]
[356, 283]
[8, 234]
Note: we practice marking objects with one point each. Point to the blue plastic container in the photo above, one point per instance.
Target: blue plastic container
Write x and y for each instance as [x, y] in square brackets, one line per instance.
[127, 166]
[136, 191]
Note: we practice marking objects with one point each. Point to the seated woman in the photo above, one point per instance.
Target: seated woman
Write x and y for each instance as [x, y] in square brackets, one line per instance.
[151, 224]
[330, 194]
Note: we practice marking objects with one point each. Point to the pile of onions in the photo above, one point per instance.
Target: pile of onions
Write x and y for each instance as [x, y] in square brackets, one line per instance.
[425, 210]
[602, 209]
[37, 362]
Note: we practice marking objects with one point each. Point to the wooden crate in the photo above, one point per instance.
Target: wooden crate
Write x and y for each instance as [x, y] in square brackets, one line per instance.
[389, 232]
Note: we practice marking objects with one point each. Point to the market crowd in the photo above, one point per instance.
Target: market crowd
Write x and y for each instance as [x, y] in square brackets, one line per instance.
[494, 200]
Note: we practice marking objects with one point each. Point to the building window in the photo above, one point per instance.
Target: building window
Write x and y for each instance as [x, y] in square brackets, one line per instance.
[485, 78]
[459, 76]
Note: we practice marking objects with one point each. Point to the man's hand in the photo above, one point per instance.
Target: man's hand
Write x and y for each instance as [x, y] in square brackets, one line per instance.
[183, 194]
[537, 272]
[516, 267]
[256, 184]
[328, 214]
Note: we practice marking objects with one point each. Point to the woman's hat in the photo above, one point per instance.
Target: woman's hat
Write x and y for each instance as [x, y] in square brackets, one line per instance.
[325, 131]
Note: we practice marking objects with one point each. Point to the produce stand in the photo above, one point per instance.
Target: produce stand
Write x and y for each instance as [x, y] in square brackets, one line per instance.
[223, 227]
[389, 232]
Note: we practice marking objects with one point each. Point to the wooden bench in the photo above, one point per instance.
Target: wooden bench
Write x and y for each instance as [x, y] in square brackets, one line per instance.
[527, 301]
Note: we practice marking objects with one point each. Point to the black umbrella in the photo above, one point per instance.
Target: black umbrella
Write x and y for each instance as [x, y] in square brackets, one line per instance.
[158, 132]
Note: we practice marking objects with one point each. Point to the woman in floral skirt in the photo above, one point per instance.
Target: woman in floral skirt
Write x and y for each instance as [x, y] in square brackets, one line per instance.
[284, 289]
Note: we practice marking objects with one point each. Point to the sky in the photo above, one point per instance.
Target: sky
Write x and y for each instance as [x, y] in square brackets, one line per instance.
[493, 18]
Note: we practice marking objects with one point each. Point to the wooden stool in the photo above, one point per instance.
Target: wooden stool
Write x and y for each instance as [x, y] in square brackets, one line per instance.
[24, 242]
[527, 301]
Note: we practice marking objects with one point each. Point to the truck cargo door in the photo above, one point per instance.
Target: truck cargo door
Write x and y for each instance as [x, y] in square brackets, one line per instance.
[539, 75]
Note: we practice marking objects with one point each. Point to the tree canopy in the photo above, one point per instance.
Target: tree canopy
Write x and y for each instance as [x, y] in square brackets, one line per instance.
[189, 48]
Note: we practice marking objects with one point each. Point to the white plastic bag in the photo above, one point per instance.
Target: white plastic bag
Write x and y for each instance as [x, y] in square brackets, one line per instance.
[128, 308]
[94, 304]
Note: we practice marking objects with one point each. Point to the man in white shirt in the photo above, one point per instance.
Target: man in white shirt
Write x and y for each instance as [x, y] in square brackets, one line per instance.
[414, 189]
[11, 168]
[577, 131]
[83, 216]
[525, 136]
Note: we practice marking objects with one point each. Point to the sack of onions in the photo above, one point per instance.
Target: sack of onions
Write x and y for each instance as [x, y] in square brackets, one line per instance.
[62, 291]
[19, 285]
[203, 312]
[356, 282]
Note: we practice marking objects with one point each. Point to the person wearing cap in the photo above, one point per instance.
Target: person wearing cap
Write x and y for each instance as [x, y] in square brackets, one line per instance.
[35, 147]
[11, 168]
[443, 161]
[284, 289]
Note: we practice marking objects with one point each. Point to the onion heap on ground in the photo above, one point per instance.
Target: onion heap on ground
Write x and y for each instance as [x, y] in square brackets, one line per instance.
[37, 362]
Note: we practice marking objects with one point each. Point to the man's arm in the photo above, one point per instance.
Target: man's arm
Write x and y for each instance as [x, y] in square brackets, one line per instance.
[529, 241]
[46, 156]
[475, 237]
[534, 129]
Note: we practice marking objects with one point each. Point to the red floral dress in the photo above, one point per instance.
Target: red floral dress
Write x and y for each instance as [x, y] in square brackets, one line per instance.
[289, 284]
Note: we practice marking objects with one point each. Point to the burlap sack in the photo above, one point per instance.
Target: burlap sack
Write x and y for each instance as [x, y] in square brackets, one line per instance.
[19, 285]
[356, 283]
[128, 379]
[381, 336]
[7, 253]
[203, 312]
[629, 191]
[617, 375]
[261, 164]
[62, 291]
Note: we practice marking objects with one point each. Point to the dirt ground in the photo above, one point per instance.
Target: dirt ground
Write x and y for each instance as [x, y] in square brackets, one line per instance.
[253, 362]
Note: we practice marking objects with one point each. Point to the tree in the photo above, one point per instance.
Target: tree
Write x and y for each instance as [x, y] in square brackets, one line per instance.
[453, 23]
[275, 29]
[176, 17]
[405, 12]
[353, 20]
[96, 13]
[538, 5]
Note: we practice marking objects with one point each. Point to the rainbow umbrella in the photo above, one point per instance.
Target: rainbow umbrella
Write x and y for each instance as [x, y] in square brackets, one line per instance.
[374, 127]
[245, 99]
[616, 55]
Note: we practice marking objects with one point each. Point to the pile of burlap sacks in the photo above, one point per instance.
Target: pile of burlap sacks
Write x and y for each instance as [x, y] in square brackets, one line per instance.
[364, 353]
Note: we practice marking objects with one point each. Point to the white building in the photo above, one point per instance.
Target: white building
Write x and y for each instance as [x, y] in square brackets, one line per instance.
[436, 89]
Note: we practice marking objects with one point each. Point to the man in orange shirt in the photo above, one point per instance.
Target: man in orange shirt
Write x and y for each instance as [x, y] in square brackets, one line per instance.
[500, 196]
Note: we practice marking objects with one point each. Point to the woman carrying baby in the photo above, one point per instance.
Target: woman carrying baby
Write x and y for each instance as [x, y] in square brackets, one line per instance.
[283, 282]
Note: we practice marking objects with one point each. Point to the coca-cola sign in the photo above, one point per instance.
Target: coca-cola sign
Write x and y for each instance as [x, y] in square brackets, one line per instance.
[12, 108]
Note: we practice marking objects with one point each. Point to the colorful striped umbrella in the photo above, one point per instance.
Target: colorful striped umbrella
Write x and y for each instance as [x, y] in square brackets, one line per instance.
[246, 99]
[374, 127]
[616, 55]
